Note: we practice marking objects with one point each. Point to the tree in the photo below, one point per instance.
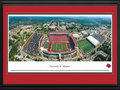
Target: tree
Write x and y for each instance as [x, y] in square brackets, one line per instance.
[109, 58]
[100, 58]
[11, 42]
[79, 59]
[27, 56]
[93, 53]
[39, 59]
[36, 60]
[15, 37]
[13, 52]
[17, 59]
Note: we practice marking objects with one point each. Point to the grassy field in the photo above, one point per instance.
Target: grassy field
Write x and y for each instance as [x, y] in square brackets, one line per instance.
[105, 33]
[85, 45]
[59, 47]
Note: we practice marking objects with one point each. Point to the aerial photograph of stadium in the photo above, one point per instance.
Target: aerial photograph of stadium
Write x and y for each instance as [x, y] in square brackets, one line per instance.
[60, 37]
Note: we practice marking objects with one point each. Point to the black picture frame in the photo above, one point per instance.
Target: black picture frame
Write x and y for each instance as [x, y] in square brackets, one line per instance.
[60, 3]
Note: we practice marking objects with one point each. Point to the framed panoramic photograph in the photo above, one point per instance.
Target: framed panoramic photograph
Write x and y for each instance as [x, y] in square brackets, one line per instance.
[60, 44]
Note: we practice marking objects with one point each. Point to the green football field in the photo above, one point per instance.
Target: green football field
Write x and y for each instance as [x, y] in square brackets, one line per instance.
[105, 32]
[85, 45]
[59, 47]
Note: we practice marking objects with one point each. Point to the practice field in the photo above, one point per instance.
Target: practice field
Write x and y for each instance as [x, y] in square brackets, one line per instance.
[59, 47]
[85, 45]
[105, 33]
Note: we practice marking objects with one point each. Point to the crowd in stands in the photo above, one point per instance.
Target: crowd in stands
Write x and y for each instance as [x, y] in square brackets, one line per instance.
[32, 47]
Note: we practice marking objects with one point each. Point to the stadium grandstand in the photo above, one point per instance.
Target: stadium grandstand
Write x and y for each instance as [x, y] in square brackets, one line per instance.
[58, 32]
[31, 47]
[62, 38]
[100, 38]
[58, 39]
[62, 55]
[46, 44]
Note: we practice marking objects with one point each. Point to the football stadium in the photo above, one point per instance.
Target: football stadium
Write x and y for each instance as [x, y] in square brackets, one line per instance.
[62, 45]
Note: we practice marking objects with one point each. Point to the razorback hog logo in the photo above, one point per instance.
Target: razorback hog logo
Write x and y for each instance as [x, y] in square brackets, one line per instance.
[108, 65]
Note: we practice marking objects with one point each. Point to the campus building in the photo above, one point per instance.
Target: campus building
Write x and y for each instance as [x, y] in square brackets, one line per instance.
[93, 41]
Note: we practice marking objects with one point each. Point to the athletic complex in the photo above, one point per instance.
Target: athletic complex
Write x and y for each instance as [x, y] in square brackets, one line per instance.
[60, 46]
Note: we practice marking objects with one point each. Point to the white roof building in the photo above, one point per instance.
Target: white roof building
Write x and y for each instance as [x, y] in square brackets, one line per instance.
[62, 28]
[27, 26]
[84, 32]
[39, 28]
[52, 27]
[17, 56]
[103, 28]
[76, 35]
[94, 41]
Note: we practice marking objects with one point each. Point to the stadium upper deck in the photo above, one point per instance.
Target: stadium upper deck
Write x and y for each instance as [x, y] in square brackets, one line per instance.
[58, 39]
[62, 37]
[58, 32]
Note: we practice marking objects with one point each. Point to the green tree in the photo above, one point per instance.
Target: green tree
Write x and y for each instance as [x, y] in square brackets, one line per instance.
[79, 59]
[15, 37]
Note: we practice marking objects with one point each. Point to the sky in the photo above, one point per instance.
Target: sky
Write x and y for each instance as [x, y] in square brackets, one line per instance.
[53, 15]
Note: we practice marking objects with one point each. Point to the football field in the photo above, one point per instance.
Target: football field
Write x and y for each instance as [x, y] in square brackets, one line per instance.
[59, 47]
[85, 45]
[105, 33]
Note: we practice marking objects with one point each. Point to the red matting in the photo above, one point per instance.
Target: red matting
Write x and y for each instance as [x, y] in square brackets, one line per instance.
[60, 78]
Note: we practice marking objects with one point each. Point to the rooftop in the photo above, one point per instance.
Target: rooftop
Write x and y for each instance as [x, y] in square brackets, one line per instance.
[76, 35]
[93, 40]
